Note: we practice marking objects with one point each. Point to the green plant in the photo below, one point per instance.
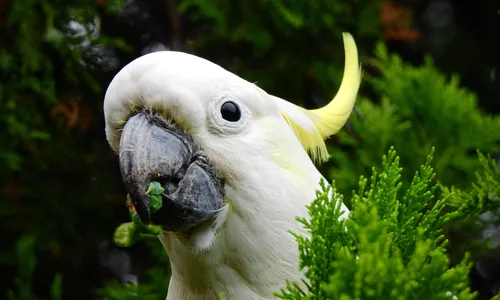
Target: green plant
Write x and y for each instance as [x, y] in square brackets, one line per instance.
[49, 94]
[26, 263]
[390, 247]
[479, 205]
[483, 195]
[128, 233]
[153, 285]
[35, 33]
[269, 41]
[419, 108]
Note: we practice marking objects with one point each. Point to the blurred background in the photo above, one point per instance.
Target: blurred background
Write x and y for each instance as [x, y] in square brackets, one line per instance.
[432, 78]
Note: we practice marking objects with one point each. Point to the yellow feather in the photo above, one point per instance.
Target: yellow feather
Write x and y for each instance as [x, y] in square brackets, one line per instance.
[330, 118]
[304, 129]
[312, 127]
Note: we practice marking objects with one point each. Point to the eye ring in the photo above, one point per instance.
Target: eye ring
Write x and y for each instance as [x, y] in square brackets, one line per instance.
[218, 124]
[230, 111]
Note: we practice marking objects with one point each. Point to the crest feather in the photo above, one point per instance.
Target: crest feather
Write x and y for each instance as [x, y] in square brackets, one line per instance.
[304, 128]
[312, 127]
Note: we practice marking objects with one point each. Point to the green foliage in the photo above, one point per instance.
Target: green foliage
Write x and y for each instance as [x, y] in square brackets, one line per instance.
[26, 263]
[35, 32]
[155, 193]
[152, 286]
[130, 291]
[419, 109]
[479, 205]
[483, 195]
[51, 168]
[299, 41]
[390, 247]
[129, 233]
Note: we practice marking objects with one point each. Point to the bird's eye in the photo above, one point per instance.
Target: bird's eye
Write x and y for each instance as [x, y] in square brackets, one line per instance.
[230, 111]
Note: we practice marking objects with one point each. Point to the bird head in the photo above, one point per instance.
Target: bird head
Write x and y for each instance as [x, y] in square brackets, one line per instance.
[210, 137]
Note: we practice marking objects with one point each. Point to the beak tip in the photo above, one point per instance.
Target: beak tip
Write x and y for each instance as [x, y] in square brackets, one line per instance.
[141, 203]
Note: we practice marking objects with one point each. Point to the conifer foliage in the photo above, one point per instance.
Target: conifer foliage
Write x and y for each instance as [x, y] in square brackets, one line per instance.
[390, 247]
[414, 109]
[484, 194]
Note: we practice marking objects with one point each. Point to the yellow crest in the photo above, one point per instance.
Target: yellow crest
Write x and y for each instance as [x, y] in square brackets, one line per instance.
[312, 127]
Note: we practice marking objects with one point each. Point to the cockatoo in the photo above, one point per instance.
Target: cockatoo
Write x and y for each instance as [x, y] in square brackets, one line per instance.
[237, 165]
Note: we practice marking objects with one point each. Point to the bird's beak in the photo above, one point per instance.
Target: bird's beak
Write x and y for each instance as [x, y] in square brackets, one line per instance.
[155, 149]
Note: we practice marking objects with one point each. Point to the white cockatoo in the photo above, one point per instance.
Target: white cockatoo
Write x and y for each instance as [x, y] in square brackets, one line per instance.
[236, 164]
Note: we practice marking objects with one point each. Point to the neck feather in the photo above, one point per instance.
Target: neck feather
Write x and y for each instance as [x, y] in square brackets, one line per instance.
[253, 253]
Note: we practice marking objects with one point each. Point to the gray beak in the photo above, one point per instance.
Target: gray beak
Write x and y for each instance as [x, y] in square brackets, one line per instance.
[154, 149]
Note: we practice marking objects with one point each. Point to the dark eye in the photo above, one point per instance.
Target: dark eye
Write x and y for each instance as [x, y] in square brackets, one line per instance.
[230, 111]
